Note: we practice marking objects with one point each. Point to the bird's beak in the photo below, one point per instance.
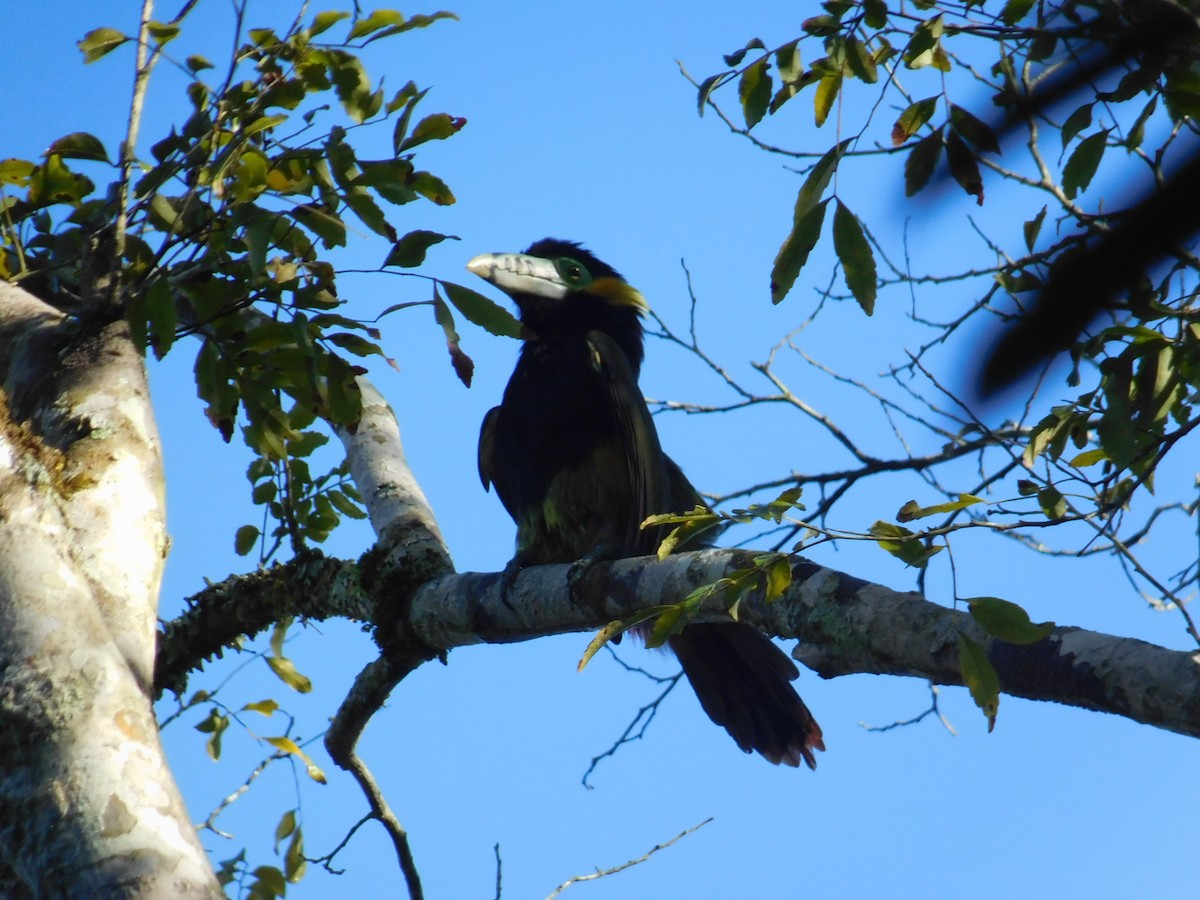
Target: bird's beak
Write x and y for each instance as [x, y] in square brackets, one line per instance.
[516, 273]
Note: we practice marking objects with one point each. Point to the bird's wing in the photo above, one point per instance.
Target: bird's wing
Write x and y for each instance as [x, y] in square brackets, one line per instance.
[644, 459]
[487, 447]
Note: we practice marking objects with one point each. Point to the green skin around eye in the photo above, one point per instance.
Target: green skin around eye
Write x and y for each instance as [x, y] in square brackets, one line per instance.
[573, 273]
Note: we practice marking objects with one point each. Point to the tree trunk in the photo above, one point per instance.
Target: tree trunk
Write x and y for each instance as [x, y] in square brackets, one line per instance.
[88, 807]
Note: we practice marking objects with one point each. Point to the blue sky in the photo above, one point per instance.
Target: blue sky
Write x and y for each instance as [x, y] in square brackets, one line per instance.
[580, 126]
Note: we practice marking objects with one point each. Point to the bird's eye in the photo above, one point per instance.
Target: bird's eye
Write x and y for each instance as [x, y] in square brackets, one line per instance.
[572, 272]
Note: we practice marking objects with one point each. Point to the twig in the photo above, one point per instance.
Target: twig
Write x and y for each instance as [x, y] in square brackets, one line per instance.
[600, 873]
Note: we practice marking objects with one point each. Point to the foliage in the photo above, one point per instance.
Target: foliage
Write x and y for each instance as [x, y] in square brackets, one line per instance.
[896, 81]
[227, 233]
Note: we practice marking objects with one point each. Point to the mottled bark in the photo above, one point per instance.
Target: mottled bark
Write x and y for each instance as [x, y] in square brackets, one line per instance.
[88, 806]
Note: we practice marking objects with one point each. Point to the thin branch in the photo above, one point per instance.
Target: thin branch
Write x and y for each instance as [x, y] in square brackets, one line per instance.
[601, 873]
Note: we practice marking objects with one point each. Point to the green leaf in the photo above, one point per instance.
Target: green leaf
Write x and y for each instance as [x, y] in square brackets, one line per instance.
[911, 120]
[921, 162]
[735, 58]
[464, 366]
[1076, 122]
[924, 44]
[163, 32]
[876, 13]
[323, 21]
[793, 254]
[79, 145]
[614, 628]
[1032, 228]
[861, 63]
[287, 672]
[827, 92]
[903, 544]
[265, 707]
[100, 41]
[381, 18]
[754, 92]
[778, 577]
[409, 251]
[854, 252]
[197, 63]
[294, 862]
[1007, 621]
[431, 187]
[16, 171]
[911, 510]
[963, 166]
[788, 63]
[1088, 458]
[973, 129]
[980, 677]
[326, 225]
[481, 311]
[436, 127]
[1052, 502]
[245, 539]
[706, 88]
[1015, 10]
[285, 828]
[287, 745]
[1083, 162]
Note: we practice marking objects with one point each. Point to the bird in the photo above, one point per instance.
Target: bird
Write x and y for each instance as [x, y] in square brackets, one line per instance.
[575, 459]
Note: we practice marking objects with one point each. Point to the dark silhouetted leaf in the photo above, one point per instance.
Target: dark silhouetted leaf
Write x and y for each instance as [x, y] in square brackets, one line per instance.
[410, 250]
[1083, 162]
[854, 251]
[921, 162]
[974, 130]
[963, 166]
[754, 92]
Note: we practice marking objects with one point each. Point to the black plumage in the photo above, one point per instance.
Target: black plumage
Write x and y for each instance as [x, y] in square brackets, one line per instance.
[575, 458]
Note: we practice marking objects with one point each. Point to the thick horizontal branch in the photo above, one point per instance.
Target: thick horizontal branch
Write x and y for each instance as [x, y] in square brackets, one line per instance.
[847, 626]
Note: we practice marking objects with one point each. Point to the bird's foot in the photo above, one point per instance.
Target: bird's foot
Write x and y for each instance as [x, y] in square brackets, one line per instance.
[508, 578]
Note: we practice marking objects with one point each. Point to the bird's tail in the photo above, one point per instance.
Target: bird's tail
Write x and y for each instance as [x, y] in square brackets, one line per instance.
[743, 681]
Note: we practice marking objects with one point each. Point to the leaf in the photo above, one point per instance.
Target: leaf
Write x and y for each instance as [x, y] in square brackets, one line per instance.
[1032, 228]
[706, 88]
[903, 544]
[923, 45]
[876, 13]
[1052, 502]
[1088, 458]
[910, 510]
[854, 252]
[163, 32]
[980, 677]
[287, 745]
[99, 42]
[409, 251]
[323, 21]
[614, 628]
[861, 63]
[778, 577]
[1007, 621]
[197, 63]
[246, 538]
[1076, 122]
[793, 254]
[827, 92]
[735, 58]
[285, 828]
[911, 120]
[754, 92]
[921, 162]
[464, 366]
[963, 166]
[287, 672]
[1083, 162]
[326, 225]
[431, 187]
[381, 18]
[266, 707]
[436, 127]
[79, 145]
[481, 311]
[973, 129]
[1015, 10]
